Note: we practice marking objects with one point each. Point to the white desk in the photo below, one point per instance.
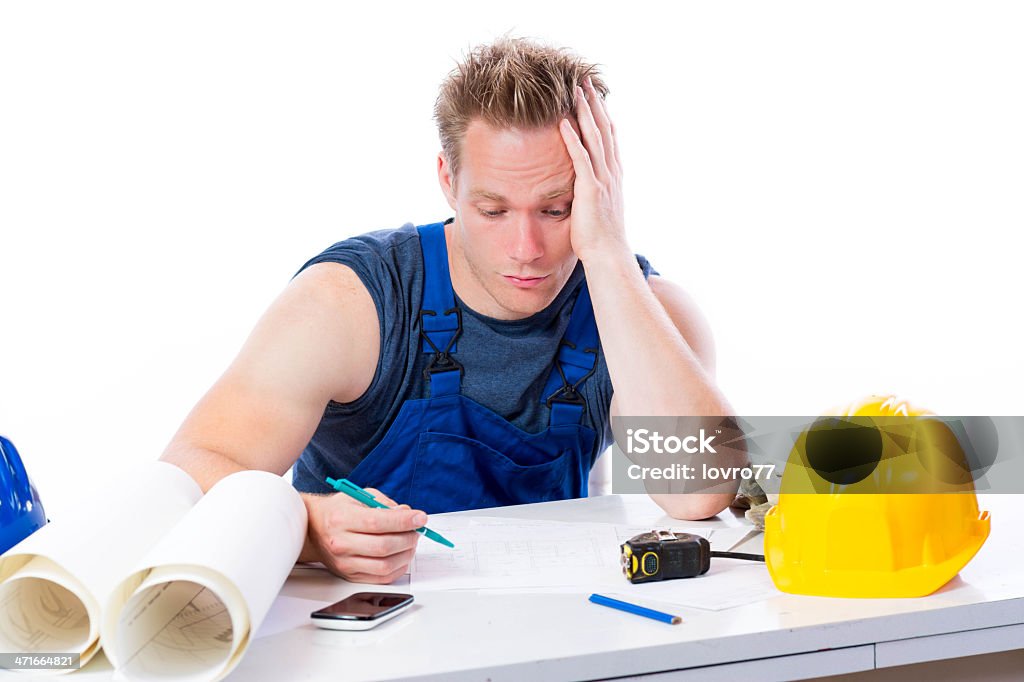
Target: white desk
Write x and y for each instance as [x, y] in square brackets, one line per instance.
[467, 635]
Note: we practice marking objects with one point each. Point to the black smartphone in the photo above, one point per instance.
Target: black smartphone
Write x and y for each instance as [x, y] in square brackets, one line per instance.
[361, 611]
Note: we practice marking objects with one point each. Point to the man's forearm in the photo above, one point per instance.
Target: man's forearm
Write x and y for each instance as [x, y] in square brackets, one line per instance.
[653, 370]
[310, 551]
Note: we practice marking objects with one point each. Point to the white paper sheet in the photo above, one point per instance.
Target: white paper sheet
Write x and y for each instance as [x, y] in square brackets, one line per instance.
[502, 553]
[505, 555]
[509, 554]
[721, 539]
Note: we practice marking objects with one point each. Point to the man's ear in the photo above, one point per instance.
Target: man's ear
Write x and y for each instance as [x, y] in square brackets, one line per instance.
[446, 180]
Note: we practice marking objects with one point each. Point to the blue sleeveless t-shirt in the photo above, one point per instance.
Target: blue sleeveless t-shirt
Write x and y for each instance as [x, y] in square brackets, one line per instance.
[507, 362]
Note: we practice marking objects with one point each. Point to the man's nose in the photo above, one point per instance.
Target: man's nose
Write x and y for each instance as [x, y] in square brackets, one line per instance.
[527, 240]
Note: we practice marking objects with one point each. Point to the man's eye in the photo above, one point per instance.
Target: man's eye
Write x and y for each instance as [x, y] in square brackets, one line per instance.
[555, 213]
[490, 214]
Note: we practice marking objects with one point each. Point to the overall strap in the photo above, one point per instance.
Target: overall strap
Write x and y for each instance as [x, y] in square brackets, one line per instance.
[575, 362]
[440, 319]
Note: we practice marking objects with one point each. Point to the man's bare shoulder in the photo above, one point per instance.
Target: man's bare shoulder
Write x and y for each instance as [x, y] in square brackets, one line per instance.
[334, 320]
[330, 283]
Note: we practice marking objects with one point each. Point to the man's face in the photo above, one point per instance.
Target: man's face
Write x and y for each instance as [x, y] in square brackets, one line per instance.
[509, 244]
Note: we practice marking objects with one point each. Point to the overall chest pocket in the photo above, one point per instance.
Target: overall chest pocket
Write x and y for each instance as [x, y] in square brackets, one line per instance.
[455, 473]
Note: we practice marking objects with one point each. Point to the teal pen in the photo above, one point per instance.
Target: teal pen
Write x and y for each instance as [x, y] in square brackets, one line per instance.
[355, 492]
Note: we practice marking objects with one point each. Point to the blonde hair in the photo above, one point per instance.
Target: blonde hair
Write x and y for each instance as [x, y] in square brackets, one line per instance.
[510, 83]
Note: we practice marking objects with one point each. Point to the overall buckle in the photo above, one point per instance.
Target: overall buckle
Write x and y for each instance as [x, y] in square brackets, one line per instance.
[441, 360]
[567, 395]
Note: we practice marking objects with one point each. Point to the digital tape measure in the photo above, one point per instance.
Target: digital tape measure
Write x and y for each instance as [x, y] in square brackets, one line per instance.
[664, 555]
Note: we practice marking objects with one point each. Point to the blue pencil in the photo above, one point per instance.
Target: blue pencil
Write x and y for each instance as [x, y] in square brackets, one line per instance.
[633, 608]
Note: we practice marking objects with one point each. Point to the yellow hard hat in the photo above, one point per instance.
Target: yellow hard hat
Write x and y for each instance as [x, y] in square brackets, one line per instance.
[835, 532]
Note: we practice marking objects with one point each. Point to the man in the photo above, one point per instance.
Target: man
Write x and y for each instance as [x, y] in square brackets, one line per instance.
[457, 365]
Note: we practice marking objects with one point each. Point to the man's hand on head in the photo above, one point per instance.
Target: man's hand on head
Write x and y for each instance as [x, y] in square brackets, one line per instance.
[597, 222]
[360, 543]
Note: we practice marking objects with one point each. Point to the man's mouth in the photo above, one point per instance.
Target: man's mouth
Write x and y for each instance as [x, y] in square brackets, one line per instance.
[524, 282]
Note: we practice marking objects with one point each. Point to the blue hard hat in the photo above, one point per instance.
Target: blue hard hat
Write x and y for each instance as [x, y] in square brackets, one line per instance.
[21, 512]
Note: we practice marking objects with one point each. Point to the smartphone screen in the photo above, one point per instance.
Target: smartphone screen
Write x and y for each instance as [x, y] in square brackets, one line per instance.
[364, 606]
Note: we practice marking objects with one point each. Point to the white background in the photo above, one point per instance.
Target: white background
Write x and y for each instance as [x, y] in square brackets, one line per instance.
[838, 185]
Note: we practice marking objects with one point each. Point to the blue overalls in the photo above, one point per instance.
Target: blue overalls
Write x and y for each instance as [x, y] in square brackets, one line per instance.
[449, 453]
